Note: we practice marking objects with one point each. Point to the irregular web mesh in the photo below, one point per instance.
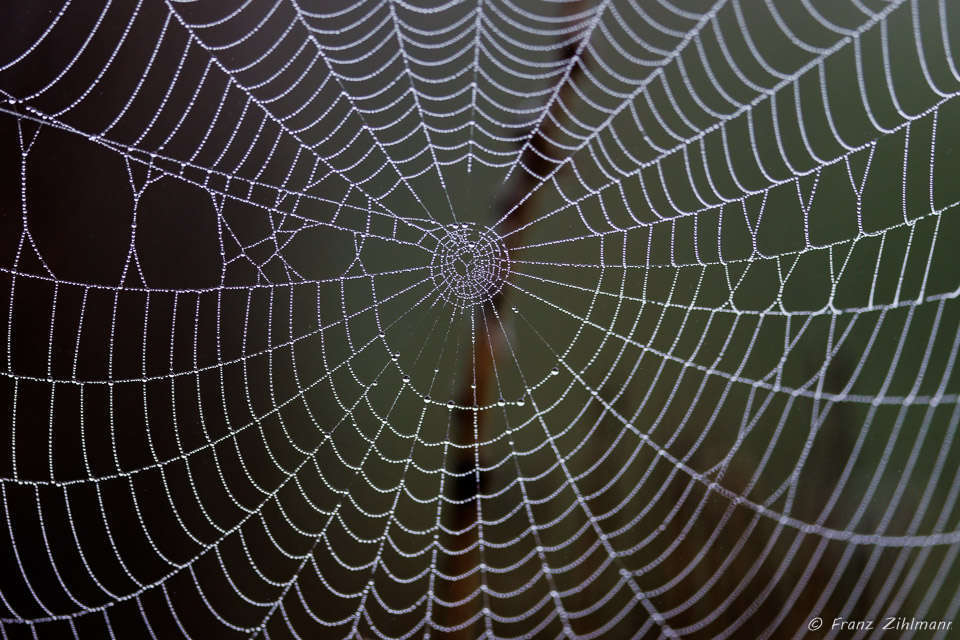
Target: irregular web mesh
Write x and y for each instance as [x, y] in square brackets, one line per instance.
[485, 318]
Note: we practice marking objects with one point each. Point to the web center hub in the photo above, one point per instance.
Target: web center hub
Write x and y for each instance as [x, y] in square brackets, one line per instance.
[470, 264]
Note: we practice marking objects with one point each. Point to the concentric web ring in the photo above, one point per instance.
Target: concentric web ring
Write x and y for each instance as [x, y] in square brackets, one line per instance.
[484, 319]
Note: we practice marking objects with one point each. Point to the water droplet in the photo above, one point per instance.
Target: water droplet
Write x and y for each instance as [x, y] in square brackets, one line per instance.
[406, 378]
[450, 404]
[521, 402]
[501, 402]
[426, 399]
[554, 371]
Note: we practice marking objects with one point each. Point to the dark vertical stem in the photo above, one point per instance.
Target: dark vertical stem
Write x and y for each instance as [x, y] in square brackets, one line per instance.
[538, 158]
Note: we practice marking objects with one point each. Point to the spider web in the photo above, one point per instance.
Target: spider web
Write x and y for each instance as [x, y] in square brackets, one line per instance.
[478, 319]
